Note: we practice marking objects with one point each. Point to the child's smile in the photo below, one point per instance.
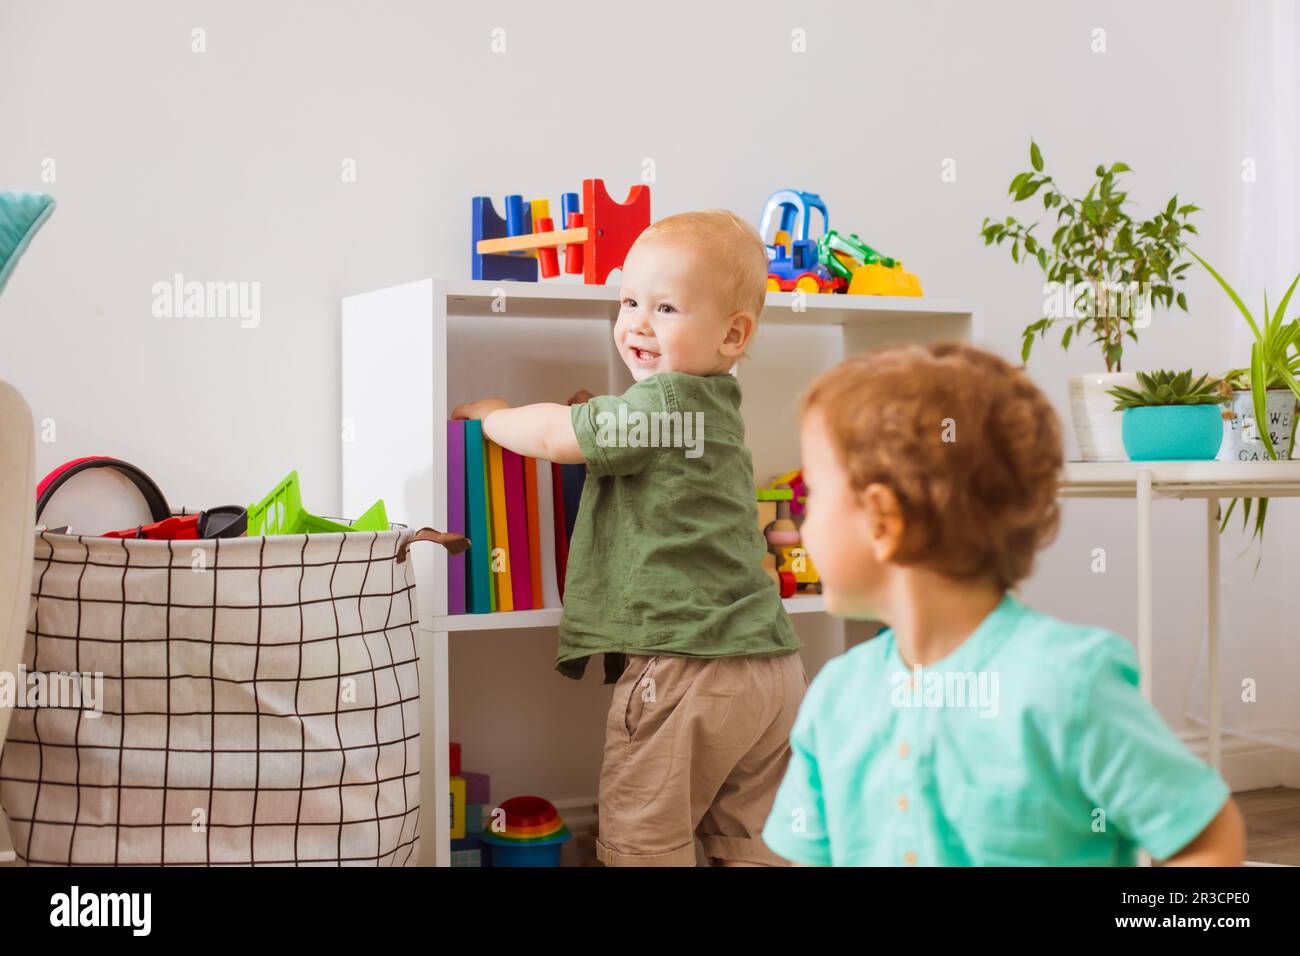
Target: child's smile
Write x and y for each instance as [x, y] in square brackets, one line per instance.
[670, 318]
[644, 357]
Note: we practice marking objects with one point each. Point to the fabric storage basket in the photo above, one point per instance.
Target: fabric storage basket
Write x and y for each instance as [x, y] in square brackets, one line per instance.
[259, 702]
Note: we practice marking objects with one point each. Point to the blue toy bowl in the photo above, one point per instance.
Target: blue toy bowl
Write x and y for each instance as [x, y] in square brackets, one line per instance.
[1173, 432]
[523, 854]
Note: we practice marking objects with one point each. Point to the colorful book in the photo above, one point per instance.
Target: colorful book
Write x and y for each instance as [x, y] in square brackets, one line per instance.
[521, 578]
[546, 535]
[575, 476]
[534, 529]
[561, 538]
[478, 571]
[501, 578]
[456, 514]
[487, 500]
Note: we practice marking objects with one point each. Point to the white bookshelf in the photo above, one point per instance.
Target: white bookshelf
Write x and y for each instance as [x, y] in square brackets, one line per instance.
[412, 352]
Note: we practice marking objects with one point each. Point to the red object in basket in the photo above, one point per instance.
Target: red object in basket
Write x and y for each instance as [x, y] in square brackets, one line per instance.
[176, 528]
[455, 759]
[226, 521]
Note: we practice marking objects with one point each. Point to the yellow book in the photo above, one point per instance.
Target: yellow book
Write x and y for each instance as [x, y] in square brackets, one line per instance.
[456, 787]
[500, 535]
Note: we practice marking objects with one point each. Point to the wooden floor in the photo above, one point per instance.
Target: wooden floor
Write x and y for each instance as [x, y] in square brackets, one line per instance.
[1272, 825]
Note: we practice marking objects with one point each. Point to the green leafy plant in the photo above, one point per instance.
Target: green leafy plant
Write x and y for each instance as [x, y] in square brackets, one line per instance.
[1099, 247]
[1274, 363]
[1167, 388]
[1274, 353]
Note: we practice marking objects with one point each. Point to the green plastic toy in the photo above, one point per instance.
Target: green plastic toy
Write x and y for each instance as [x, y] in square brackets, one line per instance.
[831, 242]
[281, 512]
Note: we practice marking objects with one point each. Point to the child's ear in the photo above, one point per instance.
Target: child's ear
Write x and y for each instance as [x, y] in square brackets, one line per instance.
[740, 329]
[884, 520]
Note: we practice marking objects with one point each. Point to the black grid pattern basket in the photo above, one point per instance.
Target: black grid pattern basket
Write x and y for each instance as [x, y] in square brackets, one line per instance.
[260, 703]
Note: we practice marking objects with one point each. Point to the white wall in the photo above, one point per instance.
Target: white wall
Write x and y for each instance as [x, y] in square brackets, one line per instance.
[225, 165]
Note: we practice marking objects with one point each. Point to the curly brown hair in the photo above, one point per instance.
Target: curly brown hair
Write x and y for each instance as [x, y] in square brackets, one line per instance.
[967, 443]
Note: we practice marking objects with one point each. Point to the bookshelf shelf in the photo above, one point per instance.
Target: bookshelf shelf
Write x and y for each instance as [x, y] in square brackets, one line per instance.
[412, 352]
[550, 617]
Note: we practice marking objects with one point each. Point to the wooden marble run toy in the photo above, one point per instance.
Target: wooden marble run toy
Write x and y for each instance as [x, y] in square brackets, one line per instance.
[831, 263]
[595, 236]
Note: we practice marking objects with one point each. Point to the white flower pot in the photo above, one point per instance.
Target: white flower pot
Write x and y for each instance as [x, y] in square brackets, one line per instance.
[1097, 426]
[1242, 444]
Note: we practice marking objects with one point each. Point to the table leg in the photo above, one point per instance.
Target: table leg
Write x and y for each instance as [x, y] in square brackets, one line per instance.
[1144, 596]
[1144, 580]
[1212, 594]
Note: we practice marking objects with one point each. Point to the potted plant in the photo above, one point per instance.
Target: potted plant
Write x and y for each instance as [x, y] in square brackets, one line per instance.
[1169, 417]
[1105, 273]
[1267, 392]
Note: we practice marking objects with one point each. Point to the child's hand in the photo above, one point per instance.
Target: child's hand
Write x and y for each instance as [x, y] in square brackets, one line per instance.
[480, 409]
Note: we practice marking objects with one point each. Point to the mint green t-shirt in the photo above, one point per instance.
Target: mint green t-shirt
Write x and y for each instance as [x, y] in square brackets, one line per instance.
[1034, 746]
[666, 557]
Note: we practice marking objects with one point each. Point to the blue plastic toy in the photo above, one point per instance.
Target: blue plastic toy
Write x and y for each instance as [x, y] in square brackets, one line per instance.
[792, 256]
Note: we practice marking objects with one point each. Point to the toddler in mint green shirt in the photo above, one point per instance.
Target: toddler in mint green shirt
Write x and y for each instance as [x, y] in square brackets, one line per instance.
[974, 731]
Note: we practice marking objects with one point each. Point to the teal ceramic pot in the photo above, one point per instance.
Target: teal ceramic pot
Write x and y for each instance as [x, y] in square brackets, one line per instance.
[1173, 432]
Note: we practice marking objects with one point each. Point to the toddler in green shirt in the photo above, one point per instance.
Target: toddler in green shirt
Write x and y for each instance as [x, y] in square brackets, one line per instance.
[975, 730]
[664, 574]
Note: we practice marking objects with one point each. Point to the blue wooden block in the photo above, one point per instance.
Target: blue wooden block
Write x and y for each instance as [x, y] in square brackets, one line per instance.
[515, 215]
[486, 224]
[568, 203]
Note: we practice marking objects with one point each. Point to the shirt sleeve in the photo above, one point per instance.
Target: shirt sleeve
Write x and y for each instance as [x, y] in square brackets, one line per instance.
[796, 827]
[1133, 767]
[608, 432]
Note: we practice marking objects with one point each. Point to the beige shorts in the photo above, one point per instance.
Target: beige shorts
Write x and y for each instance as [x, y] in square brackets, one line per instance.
[695, 747]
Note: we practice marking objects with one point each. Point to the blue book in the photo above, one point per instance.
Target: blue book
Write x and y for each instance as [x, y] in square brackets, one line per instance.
[573, 478]
[478, 566]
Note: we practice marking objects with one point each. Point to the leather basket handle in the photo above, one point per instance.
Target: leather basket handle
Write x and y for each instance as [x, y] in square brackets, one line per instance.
[454, 543]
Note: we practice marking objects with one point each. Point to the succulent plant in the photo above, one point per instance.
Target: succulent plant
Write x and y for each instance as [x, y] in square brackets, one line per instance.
[1168, 388]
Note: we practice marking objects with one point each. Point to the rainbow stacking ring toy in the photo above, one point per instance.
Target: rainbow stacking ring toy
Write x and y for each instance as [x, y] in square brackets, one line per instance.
[533, 836]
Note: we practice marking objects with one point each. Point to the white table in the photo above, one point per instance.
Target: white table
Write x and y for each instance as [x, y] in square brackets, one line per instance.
[1211, 480]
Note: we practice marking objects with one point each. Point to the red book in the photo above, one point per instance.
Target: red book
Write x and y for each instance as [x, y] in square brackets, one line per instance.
[534, 529]
[521, 580]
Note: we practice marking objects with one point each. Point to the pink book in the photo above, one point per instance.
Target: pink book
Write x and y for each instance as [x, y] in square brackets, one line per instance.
[456, 514]
[517, 530]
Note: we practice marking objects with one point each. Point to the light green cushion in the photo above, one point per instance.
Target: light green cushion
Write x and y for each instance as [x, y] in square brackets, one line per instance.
[21, 215]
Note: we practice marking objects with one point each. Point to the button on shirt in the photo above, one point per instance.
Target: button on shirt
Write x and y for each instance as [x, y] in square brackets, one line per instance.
[1028, 744]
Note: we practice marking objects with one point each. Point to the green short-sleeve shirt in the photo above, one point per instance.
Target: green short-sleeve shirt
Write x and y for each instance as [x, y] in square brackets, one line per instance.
[666, 556]
[1034, 746]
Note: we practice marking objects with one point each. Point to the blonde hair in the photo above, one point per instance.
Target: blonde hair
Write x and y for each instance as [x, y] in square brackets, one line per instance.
[735, 251]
